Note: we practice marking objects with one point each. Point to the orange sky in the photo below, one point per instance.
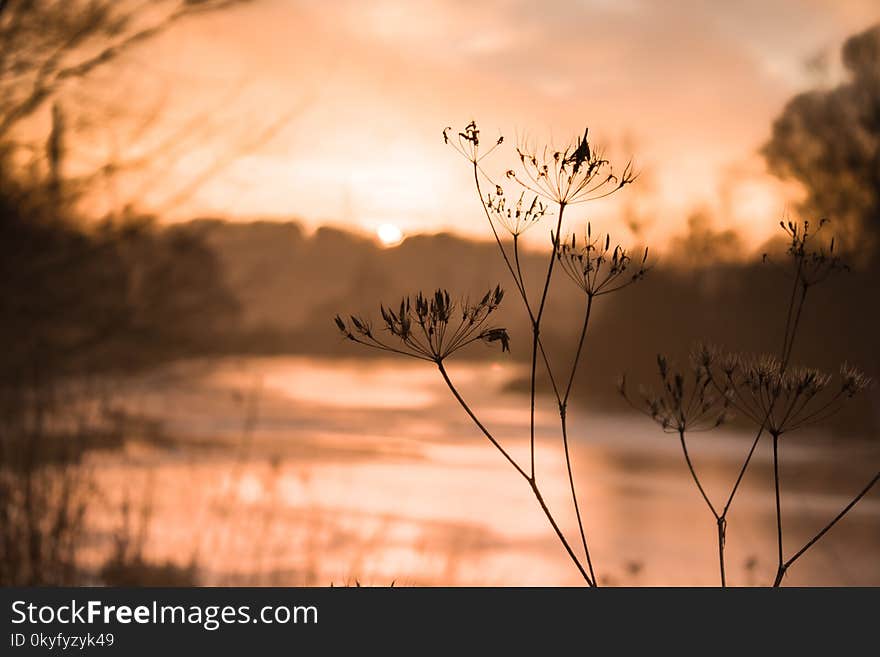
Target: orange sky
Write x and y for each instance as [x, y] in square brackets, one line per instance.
[688, 89]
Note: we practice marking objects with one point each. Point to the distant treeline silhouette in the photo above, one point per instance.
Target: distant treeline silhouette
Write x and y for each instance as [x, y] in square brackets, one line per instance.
[287, 281]
[124, 297]
[105, 298]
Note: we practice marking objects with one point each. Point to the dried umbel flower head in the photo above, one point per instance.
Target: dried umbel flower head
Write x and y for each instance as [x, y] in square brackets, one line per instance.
[852, 380]
[467, 142]
[575, 174]
[784, 399]
[687, 402]
[705, 356]
[431, 328]
[813, 260]
[518, 217]
[596, 268]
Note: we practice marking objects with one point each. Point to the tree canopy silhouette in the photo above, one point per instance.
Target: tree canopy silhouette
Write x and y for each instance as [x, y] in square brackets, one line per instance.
[78, 295]
[45, 44]
[829, 141]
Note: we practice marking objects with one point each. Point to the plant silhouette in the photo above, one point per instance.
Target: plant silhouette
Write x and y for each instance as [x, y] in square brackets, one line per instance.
[763, 389]
[548, 182]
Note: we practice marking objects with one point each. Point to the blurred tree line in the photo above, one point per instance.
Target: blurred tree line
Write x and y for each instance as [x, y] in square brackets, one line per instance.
[829, 141]
[77, 294]
[111, 295]
[79, 298]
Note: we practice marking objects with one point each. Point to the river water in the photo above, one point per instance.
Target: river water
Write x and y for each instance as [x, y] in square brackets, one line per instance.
[300, 471]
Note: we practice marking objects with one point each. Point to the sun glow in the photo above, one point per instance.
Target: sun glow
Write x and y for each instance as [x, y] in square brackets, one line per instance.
[389, 234]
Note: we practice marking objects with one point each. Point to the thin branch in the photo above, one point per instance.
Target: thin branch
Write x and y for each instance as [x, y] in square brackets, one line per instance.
[536, 332]
[48, 80]
[780, 570]
[831, 524]
[574, 498]
[479, 424]
[693, 472]
[580, 347]
[531, 480]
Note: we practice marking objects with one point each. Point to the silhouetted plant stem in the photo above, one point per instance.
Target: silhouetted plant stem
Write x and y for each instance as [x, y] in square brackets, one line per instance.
[791, 299]
[742, 471]
[785, 355]
[837, 518]
[532, 318]
[574, 499]
[800, 306]
[793, 318]
[575, 159]
[693, 472]
[780, 573]
[476, 420]
[556, 239]
[792, 322]
[765, 390]
[515, 272]
[577, 355]
[719, 518]
[722, 532]
[517, 280]
[781, 568]
[533, 484]
[536, 332]
[563, 418]
[537, 344]
[519, 275]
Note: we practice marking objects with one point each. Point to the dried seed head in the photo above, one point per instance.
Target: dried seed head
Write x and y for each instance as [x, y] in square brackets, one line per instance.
[704, 356]
[518, 218]
[467, 142]
[686, 402]
[575, 174]
[595, 267]
[784, 399]
[814, 261]
[431, 327]
[853, 380]
[663, 366]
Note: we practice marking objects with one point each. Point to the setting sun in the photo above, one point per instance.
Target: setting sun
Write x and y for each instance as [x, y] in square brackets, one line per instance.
[389, 234]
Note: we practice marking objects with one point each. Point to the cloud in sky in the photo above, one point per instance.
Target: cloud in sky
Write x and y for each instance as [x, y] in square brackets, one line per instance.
[689, 89]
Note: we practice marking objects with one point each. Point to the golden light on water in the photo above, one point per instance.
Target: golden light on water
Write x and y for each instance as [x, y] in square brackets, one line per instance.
[410, 492]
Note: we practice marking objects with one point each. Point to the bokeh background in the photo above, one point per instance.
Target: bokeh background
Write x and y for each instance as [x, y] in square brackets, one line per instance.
[191, 190]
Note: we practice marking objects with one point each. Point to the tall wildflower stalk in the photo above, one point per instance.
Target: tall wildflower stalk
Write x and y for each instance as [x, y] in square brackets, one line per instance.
[764, 389]
[548, 182]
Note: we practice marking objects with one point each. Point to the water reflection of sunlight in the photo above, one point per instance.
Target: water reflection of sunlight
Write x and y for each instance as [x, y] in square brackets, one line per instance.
[380, 490]
[250, 489]
[363, 384]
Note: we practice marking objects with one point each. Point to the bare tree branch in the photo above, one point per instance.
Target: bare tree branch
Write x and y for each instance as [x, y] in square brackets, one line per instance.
[100, 20]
